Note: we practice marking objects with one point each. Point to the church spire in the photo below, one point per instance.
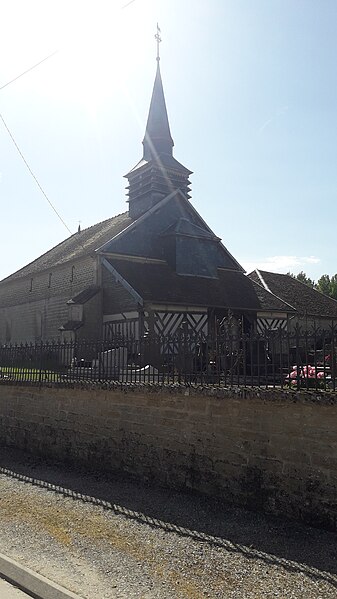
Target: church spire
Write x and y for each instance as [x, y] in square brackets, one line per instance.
[158, 140]
[158, 173]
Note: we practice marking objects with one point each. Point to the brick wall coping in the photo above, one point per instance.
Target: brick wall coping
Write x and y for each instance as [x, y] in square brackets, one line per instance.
[272, 394]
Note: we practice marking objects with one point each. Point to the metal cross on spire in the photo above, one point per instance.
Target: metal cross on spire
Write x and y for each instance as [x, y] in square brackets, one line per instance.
[158, 39]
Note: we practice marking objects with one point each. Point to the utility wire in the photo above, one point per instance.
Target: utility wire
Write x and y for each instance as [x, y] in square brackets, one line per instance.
[13, 139]
[28, 70]
[17, 147]
[47, 57]
[33, 175]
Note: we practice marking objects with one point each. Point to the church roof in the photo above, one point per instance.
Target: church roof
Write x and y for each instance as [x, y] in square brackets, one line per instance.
[71, 325]
[158, 283]
[163, 161]
[76, 246]
[85, 295]
[301, 297]
[185, 227]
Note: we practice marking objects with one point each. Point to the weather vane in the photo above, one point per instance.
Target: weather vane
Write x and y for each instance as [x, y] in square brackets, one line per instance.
[158, 39]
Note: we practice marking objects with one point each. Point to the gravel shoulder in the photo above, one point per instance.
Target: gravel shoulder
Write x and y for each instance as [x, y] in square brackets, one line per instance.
[118, 538]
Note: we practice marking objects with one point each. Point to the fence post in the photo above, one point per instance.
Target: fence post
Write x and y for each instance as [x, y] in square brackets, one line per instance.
[298, 369]
[333, 356]
[40, 362]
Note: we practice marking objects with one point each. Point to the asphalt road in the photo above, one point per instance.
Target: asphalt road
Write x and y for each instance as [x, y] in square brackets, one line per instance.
[7, 591]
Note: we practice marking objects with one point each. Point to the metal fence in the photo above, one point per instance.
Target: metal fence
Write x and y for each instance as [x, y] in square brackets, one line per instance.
[298, 359]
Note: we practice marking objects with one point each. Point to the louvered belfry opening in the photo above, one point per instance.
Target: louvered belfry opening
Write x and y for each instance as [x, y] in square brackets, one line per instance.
[158, 173]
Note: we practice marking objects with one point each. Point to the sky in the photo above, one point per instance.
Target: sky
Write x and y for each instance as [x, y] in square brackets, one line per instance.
[251, 93]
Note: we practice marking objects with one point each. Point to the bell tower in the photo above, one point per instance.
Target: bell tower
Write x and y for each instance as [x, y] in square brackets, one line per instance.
[158, 173]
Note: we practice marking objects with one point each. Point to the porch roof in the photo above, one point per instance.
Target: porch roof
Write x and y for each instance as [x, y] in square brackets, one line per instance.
[159, 283]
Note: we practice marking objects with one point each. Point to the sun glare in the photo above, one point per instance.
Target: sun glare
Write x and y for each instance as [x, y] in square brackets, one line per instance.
[98, 43]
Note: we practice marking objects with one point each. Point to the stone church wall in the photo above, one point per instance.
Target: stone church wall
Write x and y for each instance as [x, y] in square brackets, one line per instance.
[266, 449]
[32, 308]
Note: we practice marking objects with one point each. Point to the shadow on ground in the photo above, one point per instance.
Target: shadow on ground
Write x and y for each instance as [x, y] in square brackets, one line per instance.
[294, 546]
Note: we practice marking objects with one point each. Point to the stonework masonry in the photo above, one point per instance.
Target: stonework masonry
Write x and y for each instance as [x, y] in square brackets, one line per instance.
[268, 450]
[34, 307]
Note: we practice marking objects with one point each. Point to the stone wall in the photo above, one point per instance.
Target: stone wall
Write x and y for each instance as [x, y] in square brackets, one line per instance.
[270, 450]
[35, 306]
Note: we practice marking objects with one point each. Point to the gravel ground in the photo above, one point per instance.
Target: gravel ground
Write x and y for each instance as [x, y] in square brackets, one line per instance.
[108, 539]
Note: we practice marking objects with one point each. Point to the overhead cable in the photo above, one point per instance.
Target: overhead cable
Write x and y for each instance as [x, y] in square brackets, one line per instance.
[47, 57]
[33, 175]
[13, 139]
[28, 70]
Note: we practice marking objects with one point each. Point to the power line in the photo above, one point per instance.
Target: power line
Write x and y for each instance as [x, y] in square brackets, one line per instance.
[13, 139]
[33, 175]
[47, 57]
[28, 70]
[17, 147]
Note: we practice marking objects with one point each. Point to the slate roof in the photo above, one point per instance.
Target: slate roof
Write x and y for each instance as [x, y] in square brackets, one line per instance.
[269, 302]
[158, 143]
[303, 298]
[158, 138]
[85, 295]
[184, 227]
[165, 161]
[71, 325]
[77, 245]
[158, 283]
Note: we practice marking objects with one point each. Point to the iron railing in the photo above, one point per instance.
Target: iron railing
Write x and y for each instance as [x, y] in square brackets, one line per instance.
[298, 359]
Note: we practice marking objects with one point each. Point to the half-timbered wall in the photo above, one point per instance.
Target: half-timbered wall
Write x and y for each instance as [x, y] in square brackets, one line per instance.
[160, 322]
[168, 323]
[268, 321]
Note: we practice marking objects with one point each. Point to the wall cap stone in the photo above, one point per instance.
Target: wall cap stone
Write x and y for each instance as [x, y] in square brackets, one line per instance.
[191, 390]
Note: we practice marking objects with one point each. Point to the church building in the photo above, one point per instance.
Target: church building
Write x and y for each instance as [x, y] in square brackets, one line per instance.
[151, 269]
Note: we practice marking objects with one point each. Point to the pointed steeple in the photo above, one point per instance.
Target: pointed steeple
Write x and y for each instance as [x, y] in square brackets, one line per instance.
[158, 173]
[158, 140]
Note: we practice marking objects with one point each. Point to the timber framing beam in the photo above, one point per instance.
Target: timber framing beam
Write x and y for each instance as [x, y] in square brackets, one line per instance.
[119, 279]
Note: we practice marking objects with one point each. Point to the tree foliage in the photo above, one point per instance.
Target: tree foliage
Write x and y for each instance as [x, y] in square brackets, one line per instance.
[303, 278]
[333, 286]
[325, 284]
